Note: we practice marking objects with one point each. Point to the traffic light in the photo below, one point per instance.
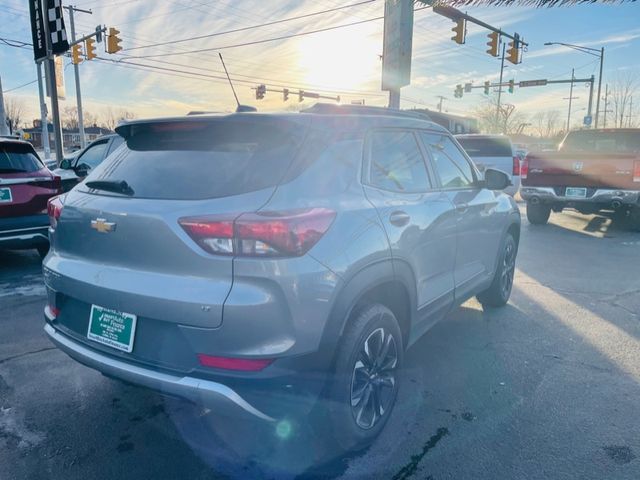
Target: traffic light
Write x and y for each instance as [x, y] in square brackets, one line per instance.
[460, 30]
[468, 87]
[512, 85]
[285, 94]
[113, 41]
[459, 92]
[513, 53]
[487, 87]
[90, 48]
[76, 54]
[493, 44]
[260, 91]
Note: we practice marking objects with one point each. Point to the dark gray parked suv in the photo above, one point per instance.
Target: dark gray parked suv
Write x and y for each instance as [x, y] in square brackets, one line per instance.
[259, 262]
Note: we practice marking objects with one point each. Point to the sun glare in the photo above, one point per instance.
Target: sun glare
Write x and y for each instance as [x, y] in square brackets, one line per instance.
[347, 58]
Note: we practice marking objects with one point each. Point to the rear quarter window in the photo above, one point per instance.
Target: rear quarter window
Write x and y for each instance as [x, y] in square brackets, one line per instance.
[203, 159]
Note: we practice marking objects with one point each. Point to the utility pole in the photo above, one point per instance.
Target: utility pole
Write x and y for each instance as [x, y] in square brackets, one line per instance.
[440, 103]
[504, 48]
[71, 9]
[606, 105]
[570, 100]
[4, 128]
[44, 124]
[600, 87]
[50, 73]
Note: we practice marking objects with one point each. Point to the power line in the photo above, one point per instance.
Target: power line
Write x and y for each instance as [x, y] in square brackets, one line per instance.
[20, 86]
[242, 29]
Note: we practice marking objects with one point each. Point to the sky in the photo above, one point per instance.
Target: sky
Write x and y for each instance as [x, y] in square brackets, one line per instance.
[168, 80]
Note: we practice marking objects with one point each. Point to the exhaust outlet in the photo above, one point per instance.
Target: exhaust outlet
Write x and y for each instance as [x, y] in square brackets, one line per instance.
[534, 201]
[616, 204]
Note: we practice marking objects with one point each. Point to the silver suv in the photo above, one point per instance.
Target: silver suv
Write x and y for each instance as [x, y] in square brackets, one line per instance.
[257, 263]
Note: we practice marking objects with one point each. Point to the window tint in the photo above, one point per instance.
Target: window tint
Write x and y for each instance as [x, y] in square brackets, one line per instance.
[16, 158]
[622, 141]
[395, 162]
[190, 160]
[486, 146]
[94, 154]
[453, 169]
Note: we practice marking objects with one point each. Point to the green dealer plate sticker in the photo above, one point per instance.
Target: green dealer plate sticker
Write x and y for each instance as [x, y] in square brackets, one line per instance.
[5, 195]
[112, 328]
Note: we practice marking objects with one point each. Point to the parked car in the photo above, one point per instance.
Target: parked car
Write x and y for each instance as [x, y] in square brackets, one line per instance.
[593, 170]
[256, 263]
[25, 186]
[74, 168]
[493, 151]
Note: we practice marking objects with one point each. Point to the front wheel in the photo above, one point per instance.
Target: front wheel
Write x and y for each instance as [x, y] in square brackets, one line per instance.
[538, 214]
[497, 295]
[363, 391]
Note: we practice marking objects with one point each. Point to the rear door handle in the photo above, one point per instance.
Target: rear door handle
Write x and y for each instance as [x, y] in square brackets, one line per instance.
[399, 218]
[462, 207]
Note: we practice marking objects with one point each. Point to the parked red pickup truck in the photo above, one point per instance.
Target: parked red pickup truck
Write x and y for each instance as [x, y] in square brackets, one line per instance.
[593, 170]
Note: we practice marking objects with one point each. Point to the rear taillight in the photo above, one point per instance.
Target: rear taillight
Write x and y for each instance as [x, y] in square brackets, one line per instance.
[524, 168]
[265, 234]
[54, 209]
[636, 171]
[516, 166]
[238, 364]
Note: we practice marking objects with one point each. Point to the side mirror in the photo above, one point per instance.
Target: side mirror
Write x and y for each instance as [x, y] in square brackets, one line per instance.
[65, 164]
[496, 179]
[82, 170]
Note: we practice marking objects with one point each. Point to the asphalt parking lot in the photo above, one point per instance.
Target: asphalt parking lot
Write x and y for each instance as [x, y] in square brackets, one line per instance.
[547, 387]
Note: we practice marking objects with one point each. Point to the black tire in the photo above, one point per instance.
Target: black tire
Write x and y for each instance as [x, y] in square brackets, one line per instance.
[497, 295]
[43, 250]
[538, 214]
[356, 426]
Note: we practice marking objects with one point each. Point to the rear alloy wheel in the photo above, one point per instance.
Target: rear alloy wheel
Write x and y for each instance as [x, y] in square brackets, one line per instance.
[538, 214]
[363, 390]
[497, 295]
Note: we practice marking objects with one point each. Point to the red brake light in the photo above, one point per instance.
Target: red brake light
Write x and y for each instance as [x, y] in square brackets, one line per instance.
[524, 168]
[636, 171]
[516, 166]
[240, 364]
[265, 234]
[54, 209]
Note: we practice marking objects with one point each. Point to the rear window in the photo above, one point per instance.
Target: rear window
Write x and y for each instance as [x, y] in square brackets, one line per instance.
[608, 142]
[17, 158]
[486, 146]
[205, 159]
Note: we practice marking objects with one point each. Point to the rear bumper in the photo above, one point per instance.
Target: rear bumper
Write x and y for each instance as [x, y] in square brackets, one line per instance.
[603, 197]
[220, 398]
[24, 232]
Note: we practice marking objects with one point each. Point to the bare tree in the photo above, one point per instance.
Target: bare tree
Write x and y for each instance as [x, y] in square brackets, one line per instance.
[69, 118]
[624, 86]
[111, 117]
[14, 110]
[546, 124]
[498, 120]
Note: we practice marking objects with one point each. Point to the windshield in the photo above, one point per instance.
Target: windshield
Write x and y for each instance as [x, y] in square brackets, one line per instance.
[17, 158]
[624, 141]
[486, 146]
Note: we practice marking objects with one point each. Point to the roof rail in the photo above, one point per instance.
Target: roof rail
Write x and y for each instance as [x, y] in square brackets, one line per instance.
[333, 109]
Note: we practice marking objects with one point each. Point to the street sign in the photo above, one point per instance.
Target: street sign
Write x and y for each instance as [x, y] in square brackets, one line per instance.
[59, 78]
[396, 51]
[533, 83]
[468, 87]
[588, 120]
[55, 21]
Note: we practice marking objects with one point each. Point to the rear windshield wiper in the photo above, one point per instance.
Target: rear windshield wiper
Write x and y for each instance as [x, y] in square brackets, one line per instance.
[117, 186]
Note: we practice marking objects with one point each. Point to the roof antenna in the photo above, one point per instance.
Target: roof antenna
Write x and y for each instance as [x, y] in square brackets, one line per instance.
[239, 108]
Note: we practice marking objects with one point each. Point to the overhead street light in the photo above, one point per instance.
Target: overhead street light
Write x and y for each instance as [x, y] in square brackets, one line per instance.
[596, 53]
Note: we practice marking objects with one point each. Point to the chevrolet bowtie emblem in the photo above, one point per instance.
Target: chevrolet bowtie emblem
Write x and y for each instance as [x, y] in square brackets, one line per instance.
[102, 226]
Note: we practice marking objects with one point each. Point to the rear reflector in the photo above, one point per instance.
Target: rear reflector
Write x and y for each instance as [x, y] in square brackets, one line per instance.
[524, 168]
[238, 364]
[53, 311]
[516, 166]
[265, 234]
[636, 171]
[54, 209]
